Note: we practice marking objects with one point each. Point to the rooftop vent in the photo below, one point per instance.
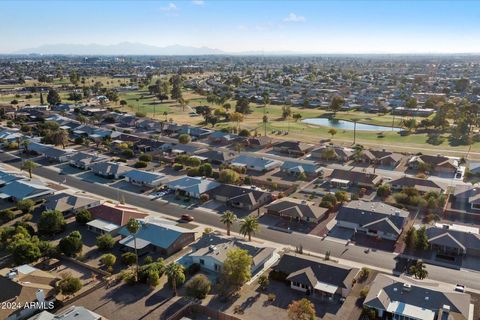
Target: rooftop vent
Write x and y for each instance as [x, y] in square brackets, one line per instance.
[446, 226]
[446, 308]
[406, 287]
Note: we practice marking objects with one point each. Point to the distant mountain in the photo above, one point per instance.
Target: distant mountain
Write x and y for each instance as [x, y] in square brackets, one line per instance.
[124, 48]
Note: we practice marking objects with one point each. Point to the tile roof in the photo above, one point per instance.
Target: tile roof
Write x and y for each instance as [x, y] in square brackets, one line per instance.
[116, 213]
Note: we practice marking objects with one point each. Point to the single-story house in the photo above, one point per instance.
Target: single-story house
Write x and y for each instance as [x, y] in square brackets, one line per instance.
[422, 185]
[466, 197]
[23, 189]
[220, 137]
[211, 251]
[346, 178]
[294, 148]
[192, 186]
[240, 197]
[259, 164]
[7, 177]
[23, 285]
[159, 235]
[69, 203]
[474, 167]
[335, 153]
[73, 312]
[110, 170]
[84, 160]
[380, 157]
[315, 276]
[145, 178]
[109, 217]
[217, 156]
[195, 132]
[440, 164]
[297, 167]
[375, 219]
[259, 142]
[50, 152]
[296, 209]
[400, 298]
[454, 239]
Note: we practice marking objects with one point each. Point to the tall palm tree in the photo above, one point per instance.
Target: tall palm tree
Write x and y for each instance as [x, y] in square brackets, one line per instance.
[228, 218]
[419, 270]
[133, 226]
[176, 275]
[25, 144]
[29, 165]
[249, 226]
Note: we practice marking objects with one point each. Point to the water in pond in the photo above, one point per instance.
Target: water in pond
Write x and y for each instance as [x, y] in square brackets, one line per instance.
[347, 125]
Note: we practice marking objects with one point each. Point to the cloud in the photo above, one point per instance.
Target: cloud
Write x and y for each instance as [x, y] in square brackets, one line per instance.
[242, 27]
[292, 17]
[170, 7]
[198, 2]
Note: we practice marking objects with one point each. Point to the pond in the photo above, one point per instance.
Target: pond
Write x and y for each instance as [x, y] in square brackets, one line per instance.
[347, 125]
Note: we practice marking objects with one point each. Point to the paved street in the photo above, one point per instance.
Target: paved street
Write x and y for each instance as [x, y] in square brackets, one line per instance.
[348, 254]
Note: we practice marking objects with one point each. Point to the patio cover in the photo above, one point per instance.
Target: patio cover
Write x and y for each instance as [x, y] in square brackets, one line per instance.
[325, 287]
[410, 311]
[128, 242]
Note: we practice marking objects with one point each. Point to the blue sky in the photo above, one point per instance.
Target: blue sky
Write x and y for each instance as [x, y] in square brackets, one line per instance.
[235, 26]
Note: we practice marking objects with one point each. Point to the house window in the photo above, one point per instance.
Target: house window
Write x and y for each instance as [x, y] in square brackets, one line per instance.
[202, 262]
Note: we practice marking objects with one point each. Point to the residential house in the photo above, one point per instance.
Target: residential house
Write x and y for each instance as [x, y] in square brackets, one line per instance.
[259, 142]
[294, 148]
[474, 167]
[220, 137]
[157, 235]
[347, 178]
[71, 313]
[110, 170]
[380, 158]
[401, 298]
[195, 132]
[7, 177]
[240, 197]
[217, 156]
[69, 203]
[25, 284]
[259, 164]
[211, 251]
[296, 209]
[145, 178]
[84, 160]
[192, 186]
[422, 185]
[438, 164]
[299, 167]
[453, 239]
[375, 219]
[23, 189]
[466, 198]
[51, 153]
[109, 217]
[335, 153]
[315, 276]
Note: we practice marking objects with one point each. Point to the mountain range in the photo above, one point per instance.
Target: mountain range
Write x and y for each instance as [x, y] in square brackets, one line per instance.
[123, 48]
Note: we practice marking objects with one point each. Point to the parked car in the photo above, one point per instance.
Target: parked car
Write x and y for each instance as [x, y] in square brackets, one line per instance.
[460, 288]
[187, 217]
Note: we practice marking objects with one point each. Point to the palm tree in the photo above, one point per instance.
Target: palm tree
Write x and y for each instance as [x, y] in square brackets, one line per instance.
[175, 274]
[228, 218]
[249, 226]
[419, 270]
[133, 226]
[29, 165]
[265, 121]
[165, 113]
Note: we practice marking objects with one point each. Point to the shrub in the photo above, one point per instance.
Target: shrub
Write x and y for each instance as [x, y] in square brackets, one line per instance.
[128, 153]
[51, 222]
[363, 293]
[105, 242]
[140, 164]
[26, 206]
[145, 158]
[198, 287]
[263, 282]
[108, 260]
[140, 114]
[129, 258]
[193, 269]
[79, 140]
[153, 278]
[7, 215]
[69, 285]
[177, 166]
[71, 245]
[204, 198]
[272, 297]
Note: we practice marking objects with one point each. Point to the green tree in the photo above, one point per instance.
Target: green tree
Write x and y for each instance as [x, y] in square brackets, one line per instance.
[419, 270]
[69, 285]
[53, 97]
[71, 245]
[176, 275]
[26, 205]
[83, 216]
[422, 239]
[332, 132]
[133, 226]
[384, 191]
[108, 260]
[336, 104]
[410, 238]
[184, 138]
[228, 176]
[198, 286]
[29, 165]
[237, 269]
[228, 218]
[51, 222]
[301, 310]
[249, 226]
[263, 282]
[129, 258]
[105, 242]
[24, 250]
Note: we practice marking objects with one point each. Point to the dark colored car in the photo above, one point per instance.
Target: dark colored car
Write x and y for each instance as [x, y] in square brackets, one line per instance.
[187, 217]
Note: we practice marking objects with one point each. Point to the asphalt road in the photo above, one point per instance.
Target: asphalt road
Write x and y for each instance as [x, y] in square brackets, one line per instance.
[356, 255]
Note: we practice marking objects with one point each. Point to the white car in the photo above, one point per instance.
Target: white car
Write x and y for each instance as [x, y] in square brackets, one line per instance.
[460, 288]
